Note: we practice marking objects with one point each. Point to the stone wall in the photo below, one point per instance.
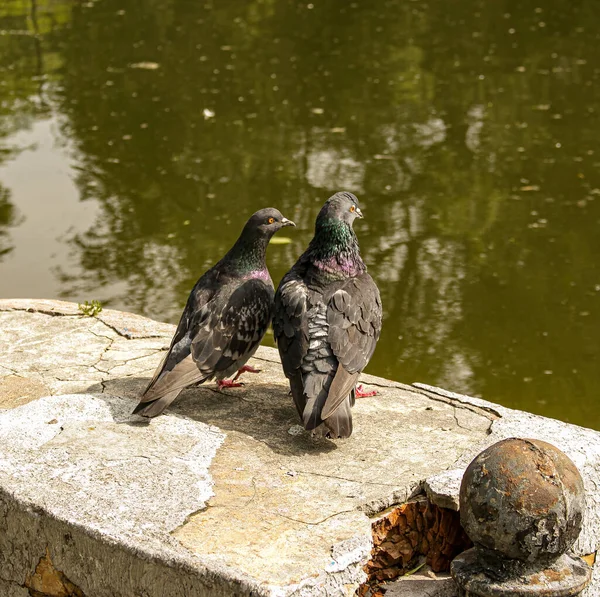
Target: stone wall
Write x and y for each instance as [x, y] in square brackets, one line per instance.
[224, 494]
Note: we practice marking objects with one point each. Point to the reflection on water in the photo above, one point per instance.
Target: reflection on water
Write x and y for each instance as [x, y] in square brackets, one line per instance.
[470, 134]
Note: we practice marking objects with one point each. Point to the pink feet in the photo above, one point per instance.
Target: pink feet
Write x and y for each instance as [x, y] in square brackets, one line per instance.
[228, 383]
[248, 369]
[233, 383]
[361, 393]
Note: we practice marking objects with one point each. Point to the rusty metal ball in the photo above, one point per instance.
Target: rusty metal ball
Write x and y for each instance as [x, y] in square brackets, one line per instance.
[522, 499]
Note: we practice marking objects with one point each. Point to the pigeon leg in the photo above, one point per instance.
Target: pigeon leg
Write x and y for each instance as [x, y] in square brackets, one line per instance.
[362, 393]
[228, 383]
[234, 383]
[246, 369]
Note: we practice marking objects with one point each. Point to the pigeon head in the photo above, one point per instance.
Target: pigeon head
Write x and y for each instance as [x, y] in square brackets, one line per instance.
[248, 253]
[334, 249]
[342, 206]
[266, 222]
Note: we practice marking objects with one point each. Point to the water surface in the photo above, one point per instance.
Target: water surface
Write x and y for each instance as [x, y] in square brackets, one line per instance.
[137, 136]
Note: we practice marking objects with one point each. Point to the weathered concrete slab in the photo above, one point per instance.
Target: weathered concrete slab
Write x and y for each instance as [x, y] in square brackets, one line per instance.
[55, 346]
[223, 495]
[225, 485]
[16, 390]
[9, 589]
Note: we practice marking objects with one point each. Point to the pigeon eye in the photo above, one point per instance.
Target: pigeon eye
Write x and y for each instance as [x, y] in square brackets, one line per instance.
[271, 220]
[353, 209]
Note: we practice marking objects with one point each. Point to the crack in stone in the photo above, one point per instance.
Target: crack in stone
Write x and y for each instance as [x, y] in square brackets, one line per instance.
[41, 310]
[91, 331]
[253, 494]
[444, 399]
[263, 359]
[144, 356]
[478, 410]
[150, 353]
[125, 334]
[318, 522]
[458, 424]
[51, 313]
[344, 478]
[103, 371]
[391, 385]
[188, 519]
[270, 512]
[106, 349]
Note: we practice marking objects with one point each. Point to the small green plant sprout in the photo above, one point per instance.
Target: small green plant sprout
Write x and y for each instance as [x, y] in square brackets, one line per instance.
[90, 309]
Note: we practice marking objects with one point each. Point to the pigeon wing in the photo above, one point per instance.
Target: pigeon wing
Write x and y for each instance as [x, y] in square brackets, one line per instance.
[354, 316]
[212, 336]
[230, 335]
[290, 328]
[177, 370]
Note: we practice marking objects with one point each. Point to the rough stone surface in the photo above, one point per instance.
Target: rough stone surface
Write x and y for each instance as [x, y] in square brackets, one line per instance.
[11, 589]
[98, 471]
[424, 583]
[581, 445]
[443, 489]
[565, 577]
[220, 496]
[16, 390]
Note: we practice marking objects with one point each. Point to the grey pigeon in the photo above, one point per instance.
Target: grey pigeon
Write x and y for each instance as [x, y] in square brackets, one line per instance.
[327, 320]
[224, 320]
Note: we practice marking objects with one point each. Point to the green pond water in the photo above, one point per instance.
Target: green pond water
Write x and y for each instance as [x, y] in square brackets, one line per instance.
[136, 136]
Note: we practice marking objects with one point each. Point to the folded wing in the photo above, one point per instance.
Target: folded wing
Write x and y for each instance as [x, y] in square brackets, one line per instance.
[218, 332]
[354, 324]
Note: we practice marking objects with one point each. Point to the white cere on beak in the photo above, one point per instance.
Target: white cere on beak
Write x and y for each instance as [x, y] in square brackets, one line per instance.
[359, 213]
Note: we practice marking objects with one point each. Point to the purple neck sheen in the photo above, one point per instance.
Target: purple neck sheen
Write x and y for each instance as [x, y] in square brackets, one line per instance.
[340, 265]
[258, 274]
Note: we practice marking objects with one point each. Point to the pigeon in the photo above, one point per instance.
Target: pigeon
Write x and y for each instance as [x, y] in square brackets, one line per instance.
[327, 321]
[224, 320]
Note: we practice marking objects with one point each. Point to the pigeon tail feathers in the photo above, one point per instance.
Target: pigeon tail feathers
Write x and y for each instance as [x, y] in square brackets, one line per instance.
[339, 424]
[155, 407]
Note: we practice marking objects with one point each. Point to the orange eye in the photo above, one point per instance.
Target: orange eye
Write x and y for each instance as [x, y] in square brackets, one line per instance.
[353, 209]
[271, 220]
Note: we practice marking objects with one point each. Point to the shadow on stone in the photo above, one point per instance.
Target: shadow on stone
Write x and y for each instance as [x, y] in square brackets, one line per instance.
[263, 411]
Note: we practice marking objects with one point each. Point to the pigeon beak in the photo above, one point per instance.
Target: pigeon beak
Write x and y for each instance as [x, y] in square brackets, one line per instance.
[286, 222]
[359, 213]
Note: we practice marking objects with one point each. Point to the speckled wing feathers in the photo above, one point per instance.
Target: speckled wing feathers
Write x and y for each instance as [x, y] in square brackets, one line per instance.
[354, 319]
[160, 392]
[318, 365]
[291, 332]
[213, 339]
[231, 335]
[325, 339]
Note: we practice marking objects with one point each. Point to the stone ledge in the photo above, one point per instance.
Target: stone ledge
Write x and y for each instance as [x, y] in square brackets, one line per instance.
[220, 496]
